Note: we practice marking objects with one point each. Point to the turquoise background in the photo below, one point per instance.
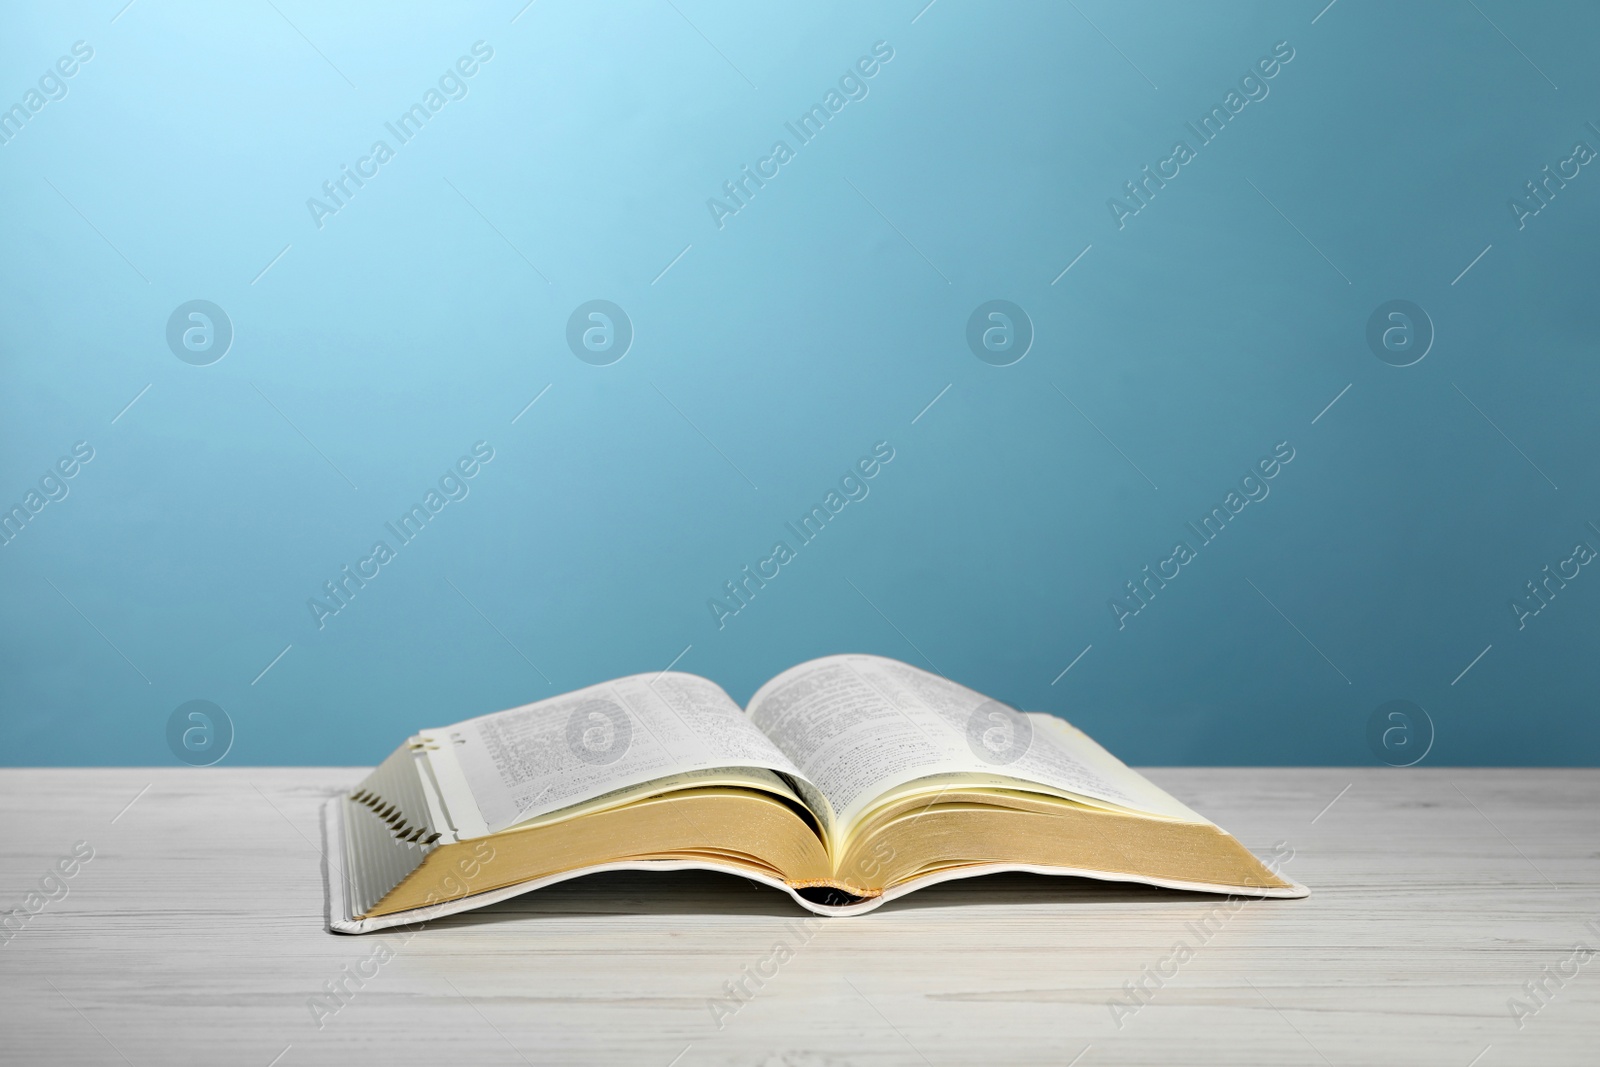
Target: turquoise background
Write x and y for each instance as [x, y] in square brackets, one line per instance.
[770, 354]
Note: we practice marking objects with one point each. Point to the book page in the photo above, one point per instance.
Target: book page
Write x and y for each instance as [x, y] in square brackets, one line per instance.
[526, 762]
[859, 726]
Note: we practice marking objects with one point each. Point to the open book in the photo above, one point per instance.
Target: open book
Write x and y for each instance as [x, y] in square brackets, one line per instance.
[849, 781]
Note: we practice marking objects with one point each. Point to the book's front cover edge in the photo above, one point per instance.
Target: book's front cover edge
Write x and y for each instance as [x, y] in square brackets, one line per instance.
[337, 913]
[1293, 891]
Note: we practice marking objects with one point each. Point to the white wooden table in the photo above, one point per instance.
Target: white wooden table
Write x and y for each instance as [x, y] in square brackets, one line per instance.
[195, 935]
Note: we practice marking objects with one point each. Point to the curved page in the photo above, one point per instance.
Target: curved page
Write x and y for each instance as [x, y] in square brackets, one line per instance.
[542, 757]
[862, 726]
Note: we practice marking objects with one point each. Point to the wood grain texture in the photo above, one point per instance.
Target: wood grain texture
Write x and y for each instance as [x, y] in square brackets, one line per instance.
[195, 935]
